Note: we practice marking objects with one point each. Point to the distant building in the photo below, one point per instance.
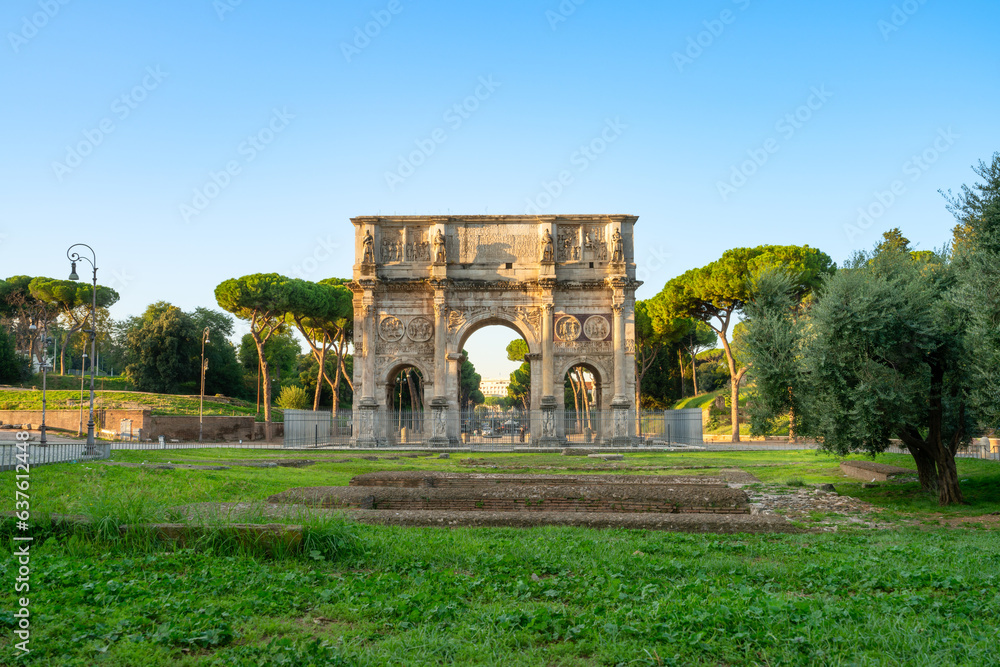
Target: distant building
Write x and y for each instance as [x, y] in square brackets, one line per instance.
[494, 387]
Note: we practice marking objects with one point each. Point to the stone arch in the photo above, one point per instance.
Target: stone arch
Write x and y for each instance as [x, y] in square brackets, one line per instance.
[602, 374]
[423, 284]
[461, 337]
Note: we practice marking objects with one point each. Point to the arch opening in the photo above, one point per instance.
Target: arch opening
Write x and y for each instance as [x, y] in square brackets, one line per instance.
[406, 399]
[494, 361]
[582, 402]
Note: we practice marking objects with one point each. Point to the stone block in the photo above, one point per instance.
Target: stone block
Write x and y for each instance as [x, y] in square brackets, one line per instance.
[874, 472]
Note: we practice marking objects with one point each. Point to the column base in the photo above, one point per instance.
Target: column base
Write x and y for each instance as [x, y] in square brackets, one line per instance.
[620, 436]
[549, 433]
[439, 423]
[367, 414]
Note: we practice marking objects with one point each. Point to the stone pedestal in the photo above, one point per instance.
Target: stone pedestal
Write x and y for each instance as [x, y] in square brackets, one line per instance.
[549, 431]
[367, 411]
[439, 422]
[620, 408]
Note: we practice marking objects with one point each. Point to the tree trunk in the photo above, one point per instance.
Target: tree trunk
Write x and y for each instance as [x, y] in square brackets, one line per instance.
[576, 398]
[411, 385]
[734, 412]
[586, 396]
[265, 372]
[791, 421]
[734, 379]
[949, 491]
[680, 362]
[319, 377]
[694, 370]
[926, 466]
[62, 353]
[340, 361]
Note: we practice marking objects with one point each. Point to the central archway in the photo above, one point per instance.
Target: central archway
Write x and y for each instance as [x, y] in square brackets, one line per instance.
[565, 284]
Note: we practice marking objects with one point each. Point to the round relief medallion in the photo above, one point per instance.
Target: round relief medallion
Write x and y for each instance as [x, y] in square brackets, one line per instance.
[420, 329]
[568, 328]
[390, 328]
[597, 327]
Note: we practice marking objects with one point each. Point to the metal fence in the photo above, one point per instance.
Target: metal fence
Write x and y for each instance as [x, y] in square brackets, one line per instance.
[987, 449]
[483, 430]
[12, 454]
[673, 427]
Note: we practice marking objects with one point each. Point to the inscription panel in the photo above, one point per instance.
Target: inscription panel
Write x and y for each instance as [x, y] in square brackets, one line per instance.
[494, 244]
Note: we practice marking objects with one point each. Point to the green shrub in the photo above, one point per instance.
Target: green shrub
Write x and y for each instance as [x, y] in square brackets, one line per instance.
[293, 398]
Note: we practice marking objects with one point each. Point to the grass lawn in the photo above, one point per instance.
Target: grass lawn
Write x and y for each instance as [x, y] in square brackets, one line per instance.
[913, 594]
[160, 404]
[699, 401]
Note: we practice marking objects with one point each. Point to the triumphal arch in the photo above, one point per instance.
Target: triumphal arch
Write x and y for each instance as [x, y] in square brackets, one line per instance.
[423, 284]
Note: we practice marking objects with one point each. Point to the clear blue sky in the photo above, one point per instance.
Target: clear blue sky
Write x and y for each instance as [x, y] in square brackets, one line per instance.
[200, 77]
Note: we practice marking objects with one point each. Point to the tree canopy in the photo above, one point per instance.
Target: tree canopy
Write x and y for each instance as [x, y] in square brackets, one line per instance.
[261, 299]
[714, 294]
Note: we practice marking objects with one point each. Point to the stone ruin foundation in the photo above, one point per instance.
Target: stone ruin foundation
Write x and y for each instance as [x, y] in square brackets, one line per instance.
[415, 498]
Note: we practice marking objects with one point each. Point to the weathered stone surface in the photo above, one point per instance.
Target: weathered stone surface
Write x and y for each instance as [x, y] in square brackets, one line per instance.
[530, 498]
[429, 479]
[689, 523]
[268, 535]
[873, 472]
[422, 284]
[327, 496]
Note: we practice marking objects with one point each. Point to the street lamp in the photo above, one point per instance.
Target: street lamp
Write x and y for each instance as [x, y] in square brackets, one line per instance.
[75, 257]
[83, 374]
[45, 367]
[201, 399]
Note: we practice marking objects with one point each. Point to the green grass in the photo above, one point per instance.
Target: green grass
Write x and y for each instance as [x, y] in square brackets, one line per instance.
[551, 596]
[159, 404]
[53, 381]
[699, 401]
[367, 595]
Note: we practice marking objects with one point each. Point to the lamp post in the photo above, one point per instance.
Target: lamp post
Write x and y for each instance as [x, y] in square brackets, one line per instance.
[45, 366]
[201, 399]
[75, 257]
[83, 374]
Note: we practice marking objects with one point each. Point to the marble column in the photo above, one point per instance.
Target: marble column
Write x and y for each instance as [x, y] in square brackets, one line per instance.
[367, 434]
[439, 404]
[548, 350]
[621, 404]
